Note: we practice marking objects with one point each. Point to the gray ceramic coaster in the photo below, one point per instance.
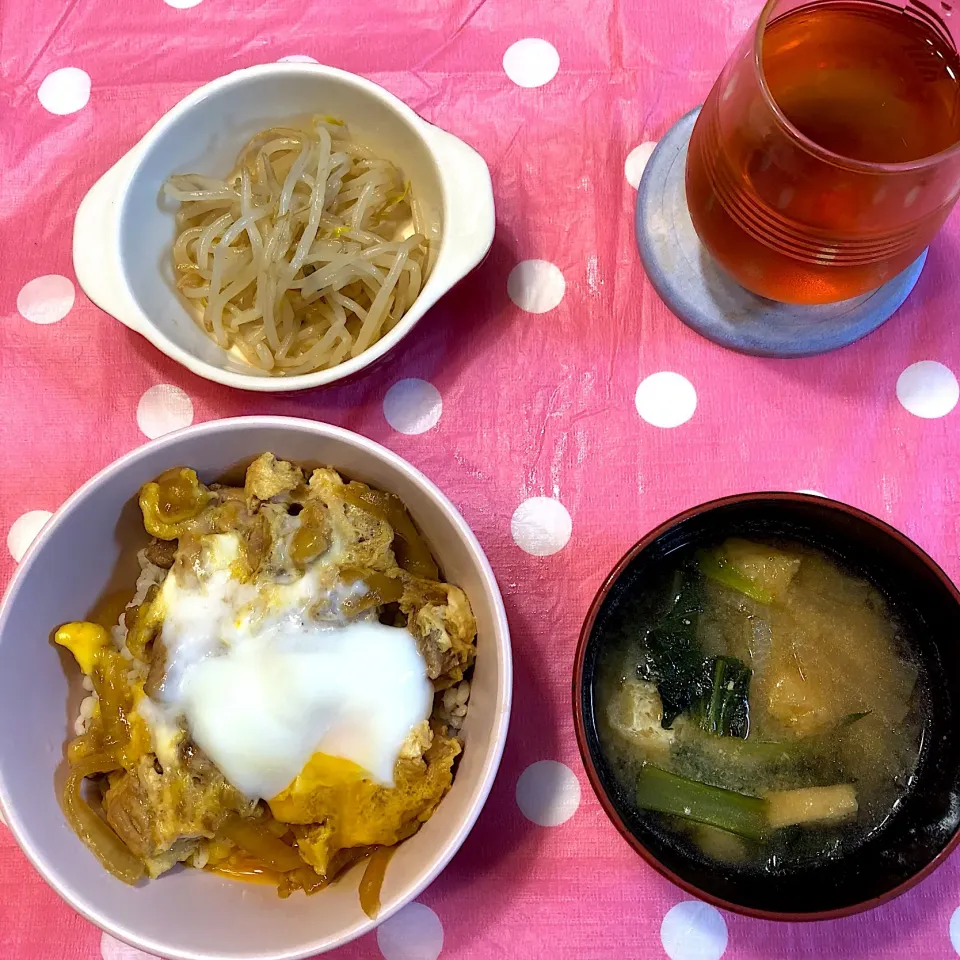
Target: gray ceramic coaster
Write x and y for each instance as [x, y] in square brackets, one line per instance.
[706, 299]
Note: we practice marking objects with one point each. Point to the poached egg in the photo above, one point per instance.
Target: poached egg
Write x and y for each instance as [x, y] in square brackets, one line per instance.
[265, 675]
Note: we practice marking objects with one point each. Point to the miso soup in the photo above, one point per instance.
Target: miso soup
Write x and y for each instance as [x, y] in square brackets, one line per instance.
[760, 700]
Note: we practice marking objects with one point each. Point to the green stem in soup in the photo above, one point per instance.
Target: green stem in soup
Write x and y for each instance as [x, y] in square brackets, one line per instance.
[751, 754]
[669, 793]
[727, 711]
[716, 567]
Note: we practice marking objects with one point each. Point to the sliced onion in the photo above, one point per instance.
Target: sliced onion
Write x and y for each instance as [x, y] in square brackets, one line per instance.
[100, 839]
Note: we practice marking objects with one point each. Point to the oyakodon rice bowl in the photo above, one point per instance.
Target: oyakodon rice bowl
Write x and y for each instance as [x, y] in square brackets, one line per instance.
[264, 706]
[386, 764]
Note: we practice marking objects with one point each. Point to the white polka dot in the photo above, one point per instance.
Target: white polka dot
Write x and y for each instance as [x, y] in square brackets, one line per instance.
[536, 285]
[911, 198]
[46, 299]
[297, 58]
[693, 931]
[65, 91]
[23, 531]
[541, 526]
[637, 161]
[531, 62]
[548, 793]
[928, 389]
[413, 933]
[412, 406]
[182, 4]
[812, 493]
[163, 408]
[955, 930]
[666, 399]
[111, 949]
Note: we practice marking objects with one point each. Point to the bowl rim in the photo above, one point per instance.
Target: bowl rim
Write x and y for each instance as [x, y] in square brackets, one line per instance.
[501, 638]
[436, 142]
[580, 720]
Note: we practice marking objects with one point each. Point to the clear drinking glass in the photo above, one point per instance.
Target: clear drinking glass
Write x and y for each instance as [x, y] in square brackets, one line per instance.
[826, 156]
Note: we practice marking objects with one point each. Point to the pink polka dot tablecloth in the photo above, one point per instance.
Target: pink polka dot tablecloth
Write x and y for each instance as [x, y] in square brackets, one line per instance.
[552, 396]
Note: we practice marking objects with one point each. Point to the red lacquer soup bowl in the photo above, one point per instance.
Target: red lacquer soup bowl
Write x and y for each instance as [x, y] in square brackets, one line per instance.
[923, 827]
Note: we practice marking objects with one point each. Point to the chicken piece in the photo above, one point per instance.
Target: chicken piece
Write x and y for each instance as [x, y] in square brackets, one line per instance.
[441, 621]
[161, 553]
[269, 478]
[256, 532]
[161, 815]
[129, 813]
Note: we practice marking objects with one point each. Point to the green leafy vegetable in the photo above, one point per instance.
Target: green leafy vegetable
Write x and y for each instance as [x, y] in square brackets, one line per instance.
[675, 663]
[668, 793]
[715, 690]
[727, 710]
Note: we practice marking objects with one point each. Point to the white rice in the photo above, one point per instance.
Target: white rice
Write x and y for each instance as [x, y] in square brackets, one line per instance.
[453, 706]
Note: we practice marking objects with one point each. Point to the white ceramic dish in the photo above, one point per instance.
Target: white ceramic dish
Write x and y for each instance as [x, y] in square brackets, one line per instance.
[89, 548]
[124, 228]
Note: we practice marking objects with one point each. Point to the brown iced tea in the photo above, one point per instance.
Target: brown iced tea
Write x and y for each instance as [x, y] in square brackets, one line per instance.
[821, 164]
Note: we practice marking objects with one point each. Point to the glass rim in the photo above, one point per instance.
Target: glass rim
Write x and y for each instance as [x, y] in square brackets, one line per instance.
[811, 146]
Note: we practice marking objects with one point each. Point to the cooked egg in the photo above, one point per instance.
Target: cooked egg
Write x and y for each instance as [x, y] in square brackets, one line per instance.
[84, 641]
[266, 675]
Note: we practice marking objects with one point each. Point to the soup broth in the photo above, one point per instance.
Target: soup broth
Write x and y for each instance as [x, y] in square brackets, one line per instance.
[761, 702]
